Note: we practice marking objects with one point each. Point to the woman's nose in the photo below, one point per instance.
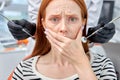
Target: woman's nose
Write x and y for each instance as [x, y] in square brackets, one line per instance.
[63, 27]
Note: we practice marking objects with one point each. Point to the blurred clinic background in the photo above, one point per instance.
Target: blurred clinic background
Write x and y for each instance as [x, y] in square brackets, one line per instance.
[13, 51]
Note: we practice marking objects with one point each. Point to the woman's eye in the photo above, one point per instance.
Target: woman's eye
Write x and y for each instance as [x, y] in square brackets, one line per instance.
[54, 19]
[72, 19]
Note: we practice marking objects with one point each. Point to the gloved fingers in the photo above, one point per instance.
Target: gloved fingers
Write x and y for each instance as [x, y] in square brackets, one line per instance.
[18, 31]
[109, 26]
[106, 32]
[16, 21]
[14, 26]
[20, 36]
[101, 40]
[24, 23]
[98, 39]
[101, 36]
[105, 36]
[106, 29]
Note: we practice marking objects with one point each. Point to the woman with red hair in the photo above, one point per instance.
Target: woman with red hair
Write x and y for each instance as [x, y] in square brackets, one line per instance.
[59, 53]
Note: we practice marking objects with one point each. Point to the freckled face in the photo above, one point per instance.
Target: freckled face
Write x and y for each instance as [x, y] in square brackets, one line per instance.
[63, 17]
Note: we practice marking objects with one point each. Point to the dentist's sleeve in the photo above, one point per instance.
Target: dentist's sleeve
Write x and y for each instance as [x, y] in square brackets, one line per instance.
[94, 10]
[33, 6]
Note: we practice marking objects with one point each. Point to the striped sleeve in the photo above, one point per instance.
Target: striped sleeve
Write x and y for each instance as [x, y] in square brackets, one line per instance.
[108, 71]
[18, 75]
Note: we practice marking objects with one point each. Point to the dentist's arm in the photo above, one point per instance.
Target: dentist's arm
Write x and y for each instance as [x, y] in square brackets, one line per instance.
[94, 10]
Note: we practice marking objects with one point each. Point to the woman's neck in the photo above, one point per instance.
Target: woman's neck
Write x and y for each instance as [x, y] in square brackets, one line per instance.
[54, 57]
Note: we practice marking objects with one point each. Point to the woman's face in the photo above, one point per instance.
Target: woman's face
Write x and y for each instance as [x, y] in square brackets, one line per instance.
[64, 18]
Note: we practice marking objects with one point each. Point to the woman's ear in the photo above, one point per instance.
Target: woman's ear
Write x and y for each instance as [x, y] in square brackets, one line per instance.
[43, 23]
[84, 22]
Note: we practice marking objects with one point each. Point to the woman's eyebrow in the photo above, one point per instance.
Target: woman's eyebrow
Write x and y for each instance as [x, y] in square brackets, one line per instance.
[54, 15]
[72, 15]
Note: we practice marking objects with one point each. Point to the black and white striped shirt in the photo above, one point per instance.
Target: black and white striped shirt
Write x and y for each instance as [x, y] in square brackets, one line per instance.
[102, 67]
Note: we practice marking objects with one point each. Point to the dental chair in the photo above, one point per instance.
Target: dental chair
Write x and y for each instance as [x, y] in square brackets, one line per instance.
[112, 51]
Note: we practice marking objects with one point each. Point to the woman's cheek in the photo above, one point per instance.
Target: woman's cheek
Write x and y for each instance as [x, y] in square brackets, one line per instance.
[49, 25]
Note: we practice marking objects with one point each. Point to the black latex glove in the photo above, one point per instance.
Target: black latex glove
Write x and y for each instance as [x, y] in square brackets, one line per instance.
[104, 35]
[16, 28]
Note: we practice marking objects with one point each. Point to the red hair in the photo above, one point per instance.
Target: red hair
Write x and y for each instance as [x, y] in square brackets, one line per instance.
[42, 45]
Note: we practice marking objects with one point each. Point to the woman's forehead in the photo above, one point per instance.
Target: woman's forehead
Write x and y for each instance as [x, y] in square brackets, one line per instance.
[66, 6]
